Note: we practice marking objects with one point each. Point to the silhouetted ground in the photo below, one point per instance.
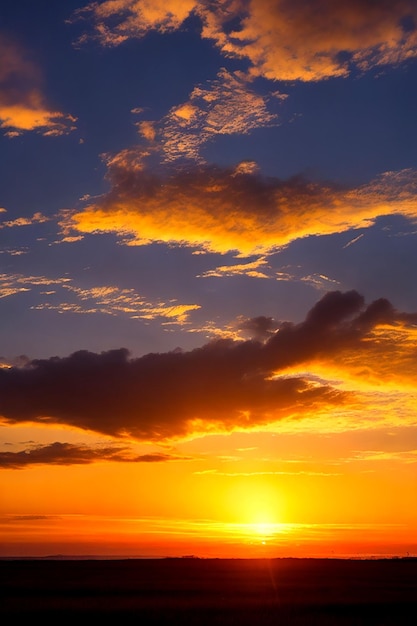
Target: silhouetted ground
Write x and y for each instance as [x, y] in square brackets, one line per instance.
[217, 592]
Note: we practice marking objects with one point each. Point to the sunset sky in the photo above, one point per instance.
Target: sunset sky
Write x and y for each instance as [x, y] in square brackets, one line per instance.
[208, 283]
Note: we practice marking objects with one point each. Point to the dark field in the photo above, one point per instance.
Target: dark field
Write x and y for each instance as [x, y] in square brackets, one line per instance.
[212, 591]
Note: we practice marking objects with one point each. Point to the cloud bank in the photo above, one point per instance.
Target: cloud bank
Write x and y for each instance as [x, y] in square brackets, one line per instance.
[225, 384]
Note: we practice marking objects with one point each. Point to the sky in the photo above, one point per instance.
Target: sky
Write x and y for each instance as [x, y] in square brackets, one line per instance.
[208, 250]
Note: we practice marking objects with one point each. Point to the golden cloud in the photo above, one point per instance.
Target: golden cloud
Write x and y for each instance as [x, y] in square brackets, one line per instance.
[111, 300]
[282, 39]
[253, 269]
[103, 299]
[222, 209]
[305, 40]
[11, 284]
[37, 218]
[22, 104]
[114, 21]
[224, 106]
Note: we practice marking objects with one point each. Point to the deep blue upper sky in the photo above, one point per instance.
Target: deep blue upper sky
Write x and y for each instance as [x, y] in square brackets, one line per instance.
[123, 123]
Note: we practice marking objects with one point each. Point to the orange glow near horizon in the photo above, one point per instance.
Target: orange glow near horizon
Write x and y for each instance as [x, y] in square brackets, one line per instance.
[74, 535]
[228, 504]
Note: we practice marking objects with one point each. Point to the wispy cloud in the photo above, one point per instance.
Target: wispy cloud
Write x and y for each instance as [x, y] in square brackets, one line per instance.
[254, 269]
[268, 473]
[224, 106]
[403, 456]
[11, 284]
[103, 299]
[295, 274]
[110, 300]
[352, 241]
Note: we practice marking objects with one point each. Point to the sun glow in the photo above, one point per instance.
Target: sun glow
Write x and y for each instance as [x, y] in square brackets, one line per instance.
[264, 529]
[258, 508]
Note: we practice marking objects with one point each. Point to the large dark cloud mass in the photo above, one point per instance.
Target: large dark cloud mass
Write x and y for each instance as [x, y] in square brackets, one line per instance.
[225, 384]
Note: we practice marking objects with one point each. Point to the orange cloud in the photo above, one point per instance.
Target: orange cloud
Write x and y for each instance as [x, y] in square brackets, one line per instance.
[114, 21]
[112, 300]
[282, 39]
[305, 40]
[225, 106]
[223, 209]
[224, 385]
[22, 104]
[11, 284]
[37, 218]
[254, 269]
[104, 299]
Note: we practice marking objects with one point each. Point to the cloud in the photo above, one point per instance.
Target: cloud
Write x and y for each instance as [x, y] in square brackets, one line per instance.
[321, 282]
[115, 21]
[281, 39]
[229, 209]
[309, 41]
[352, 241]
[111, 300]
[253, 269]
[260, 268]
[18, 361]
[225, 384]
[58, 453]
[259, 328]
[11, 284]
[266, 473]
[37, 218]
[103, 299]
[225, 106]
[405, 456]
[22, 104]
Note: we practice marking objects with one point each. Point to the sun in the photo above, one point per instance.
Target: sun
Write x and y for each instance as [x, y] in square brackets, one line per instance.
[263, 529]
[258, 507]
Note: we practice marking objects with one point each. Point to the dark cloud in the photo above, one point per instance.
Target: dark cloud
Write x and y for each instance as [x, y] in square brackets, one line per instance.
[225, 384]
[259, 328]
[70, 454]
[333, 308]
